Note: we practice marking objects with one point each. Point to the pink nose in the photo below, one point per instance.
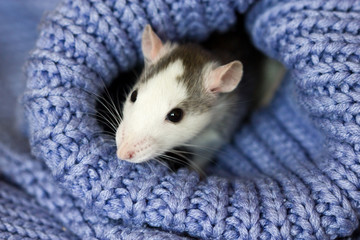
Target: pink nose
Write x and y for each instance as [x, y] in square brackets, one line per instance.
[125, 154]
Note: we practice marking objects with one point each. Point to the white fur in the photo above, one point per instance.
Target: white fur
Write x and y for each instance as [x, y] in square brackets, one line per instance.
[144, 129]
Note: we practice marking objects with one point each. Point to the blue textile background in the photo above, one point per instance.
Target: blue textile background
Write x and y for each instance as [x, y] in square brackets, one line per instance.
[292, 172]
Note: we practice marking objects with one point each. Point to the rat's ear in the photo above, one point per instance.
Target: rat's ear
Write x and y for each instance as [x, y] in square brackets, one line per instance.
[225, 78]
[151, 44]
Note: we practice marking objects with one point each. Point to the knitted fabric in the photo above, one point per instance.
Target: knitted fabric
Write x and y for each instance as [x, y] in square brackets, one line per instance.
[292, 172]
[44, 212]
[21, 217]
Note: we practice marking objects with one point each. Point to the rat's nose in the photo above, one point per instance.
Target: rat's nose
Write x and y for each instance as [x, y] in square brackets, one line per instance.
[125, 154]
[129, 155]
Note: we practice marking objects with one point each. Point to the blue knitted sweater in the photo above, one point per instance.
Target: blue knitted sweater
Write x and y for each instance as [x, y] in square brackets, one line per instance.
[291, 172]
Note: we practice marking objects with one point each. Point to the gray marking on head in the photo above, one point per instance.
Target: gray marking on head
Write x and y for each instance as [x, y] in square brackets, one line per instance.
[194, 60]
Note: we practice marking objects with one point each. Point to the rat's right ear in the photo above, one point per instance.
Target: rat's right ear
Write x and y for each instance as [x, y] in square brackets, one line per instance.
[151, 44]
[225, 78]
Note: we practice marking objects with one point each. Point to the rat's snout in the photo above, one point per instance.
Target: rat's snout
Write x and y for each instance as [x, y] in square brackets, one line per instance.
[135, 150]
[125, 154]
[125, 151]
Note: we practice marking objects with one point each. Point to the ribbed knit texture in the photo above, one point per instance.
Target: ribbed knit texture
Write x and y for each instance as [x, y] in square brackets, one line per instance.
[292, 172]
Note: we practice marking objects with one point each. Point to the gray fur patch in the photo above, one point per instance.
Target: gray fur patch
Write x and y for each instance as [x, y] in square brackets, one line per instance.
[194, 60]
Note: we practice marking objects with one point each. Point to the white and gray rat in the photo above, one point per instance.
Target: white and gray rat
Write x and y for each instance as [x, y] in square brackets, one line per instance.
[184, 96]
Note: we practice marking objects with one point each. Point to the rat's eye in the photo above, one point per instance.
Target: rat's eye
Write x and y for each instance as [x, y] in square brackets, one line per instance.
[133, 96]
[175, 115]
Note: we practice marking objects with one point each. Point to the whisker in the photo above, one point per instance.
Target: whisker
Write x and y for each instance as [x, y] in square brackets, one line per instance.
[118, 103]
[189, 163]
[202, 148]
[184, 152]
[103, 119]
[107, 123]
[165, 157]
[107, 106]
[113, 104]
[209, 149]
[164, 164]
[151, 169]
[104, 133]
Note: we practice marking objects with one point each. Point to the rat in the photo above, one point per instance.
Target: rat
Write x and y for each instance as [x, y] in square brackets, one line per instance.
[185, 96]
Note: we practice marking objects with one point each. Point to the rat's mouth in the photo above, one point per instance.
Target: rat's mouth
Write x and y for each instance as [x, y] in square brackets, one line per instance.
[136, 150]
[139, 159]
[142, 158]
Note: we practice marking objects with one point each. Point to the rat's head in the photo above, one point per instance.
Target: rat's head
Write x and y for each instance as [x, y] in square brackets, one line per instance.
[173, 99]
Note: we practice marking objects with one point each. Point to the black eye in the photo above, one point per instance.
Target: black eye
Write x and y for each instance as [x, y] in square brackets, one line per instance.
[175, 115]
[133, 96]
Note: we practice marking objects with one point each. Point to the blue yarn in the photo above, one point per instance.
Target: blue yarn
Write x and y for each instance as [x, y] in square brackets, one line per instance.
[291, 172]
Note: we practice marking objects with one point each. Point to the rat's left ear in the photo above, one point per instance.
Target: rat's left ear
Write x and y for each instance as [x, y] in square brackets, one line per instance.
[225, 78]
[151, 44]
